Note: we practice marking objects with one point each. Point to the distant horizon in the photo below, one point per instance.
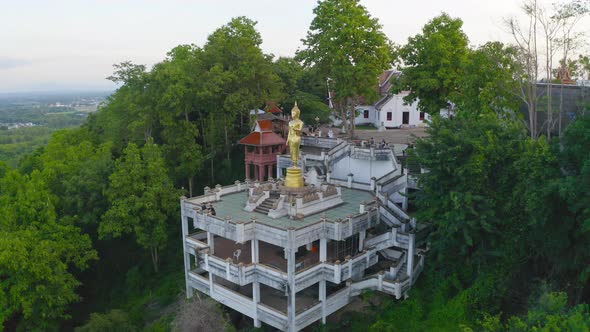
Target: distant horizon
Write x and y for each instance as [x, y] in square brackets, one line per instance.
[73, 44]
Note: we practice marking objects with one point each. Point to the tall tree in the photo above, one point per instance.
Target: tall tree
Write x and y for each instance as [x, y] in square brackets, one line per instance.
[433, 63]
[38, 253]
[300, 85]
[344, 43]
[525, 38]
[142, 199]
[487, 83]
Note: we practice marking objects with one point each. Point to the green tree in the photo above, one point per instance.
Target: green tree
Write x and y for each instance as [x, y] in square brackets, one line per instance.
[491, 194]
[299, 86]
[344, 43]
[142, 199]
[77, 170]
[575, 162]
[487, 82]
[179, 106]
[113, 321]
[433, 64]
[38, 253]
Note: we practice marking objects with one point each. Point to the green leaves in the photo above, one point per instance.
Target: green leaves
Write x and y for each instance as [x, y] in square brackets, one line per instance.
[37, 253]
[433, 63]
[344, 43]
[486, 190]
[142, 199]
[439, 67]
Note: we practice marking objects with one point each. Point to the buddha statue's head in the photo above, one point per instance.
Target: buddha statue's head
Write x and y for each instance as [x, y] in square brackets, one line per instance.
[295, 112]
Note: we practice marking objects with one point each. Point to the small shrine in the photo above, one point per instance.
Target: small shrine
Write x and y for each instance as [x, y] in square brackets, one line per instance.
[563, 75]
[262, 146]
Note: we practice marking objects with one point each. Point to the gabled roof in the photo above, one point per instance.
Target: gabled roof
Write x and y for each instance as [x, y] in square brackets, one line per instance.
[275, 110]
[262, 139]
[263, 126]
[262, 135]
[271, 117]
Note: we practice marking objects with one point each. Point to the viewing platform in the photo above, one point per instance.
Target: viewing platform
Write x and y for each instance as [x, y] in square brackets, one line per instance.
[289, 258]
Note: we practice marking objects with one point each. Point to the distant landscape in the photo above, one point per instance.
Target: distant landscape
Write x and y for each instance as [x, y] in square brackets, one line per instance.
[28, 119]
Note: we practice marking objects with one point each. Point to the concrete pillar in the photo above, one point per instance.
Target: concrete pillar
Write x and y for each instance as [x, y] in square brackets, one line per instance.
[322, 298]
[362, 235]
[255, 248]
[291, 249]
[255, 283]
[270, 171]
[187, 257]
[328, 176]
[291, 306]
[323, 249]
[373, 180]
[411, 252]
[350, 180]
[211, 242]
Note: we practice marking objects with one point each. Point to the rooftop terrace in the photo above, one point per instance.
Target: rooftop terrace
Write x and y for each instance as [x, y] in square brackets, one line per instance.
[232, 205]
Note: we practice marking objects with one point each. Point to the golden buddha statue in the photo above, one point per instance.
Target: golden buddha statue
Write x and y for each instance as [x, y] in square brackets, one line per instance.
[294, 177]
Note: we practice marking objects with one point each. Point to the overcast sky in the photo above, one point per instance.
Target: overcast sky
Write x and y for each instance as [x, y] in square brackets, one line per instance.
[72, 44]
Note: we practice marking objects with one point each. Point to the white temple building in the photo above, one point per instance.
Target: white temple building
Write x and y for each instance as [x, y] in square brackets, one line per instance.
[289, 261]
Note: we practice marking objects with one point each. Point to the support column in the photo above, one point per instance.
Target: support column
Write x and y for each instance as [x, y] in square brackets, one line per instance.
[269, 171]
[246, 164]
[323, 249]
[187, 257]
[362, 235]
[411, 252]
[291, 293]
[322, 298]
[323, 258]
[255, 283]
[211, 242]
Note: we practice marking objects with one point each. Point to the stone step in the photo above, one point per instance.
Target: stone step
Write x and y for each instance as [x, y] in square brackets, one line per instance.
[263, 211]
[265, 206]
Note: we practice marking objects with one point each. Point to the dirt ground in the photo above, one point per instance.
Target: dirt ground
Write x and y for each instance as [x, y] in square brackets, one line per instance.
[391, 136]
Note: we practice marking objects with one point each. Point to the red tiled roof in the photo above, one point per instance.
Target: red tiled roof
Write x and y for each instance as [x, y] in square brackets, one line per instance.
[265, 125]
[262, 139]
[275, 110]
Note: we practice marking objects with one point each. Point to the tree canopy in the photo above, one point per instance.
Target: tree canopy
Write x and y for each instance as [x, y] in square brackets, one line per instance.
[345, 44]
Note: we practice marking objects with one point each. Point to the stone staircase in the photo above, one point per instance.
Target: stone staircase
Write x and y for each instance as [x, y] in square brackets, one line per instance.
[266, 205]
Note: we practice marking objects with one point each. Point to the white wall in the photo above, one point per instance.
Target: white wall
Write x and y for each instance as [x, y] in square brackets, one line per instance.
[363, 170]
[360, 119]
[396, 106]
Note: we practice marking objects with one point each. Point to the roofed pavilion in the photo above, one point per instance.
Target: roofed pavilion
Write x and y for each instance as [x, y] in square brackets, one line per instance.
[262, 146]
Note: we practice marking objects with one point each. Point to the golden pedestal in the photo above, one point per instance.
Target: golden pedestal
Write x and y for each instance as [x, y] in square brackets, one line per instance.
[294, 178]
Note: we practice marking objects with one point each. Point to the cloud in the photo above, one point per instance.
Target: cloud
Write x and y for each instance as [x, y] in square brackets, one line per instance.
[9, 63]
